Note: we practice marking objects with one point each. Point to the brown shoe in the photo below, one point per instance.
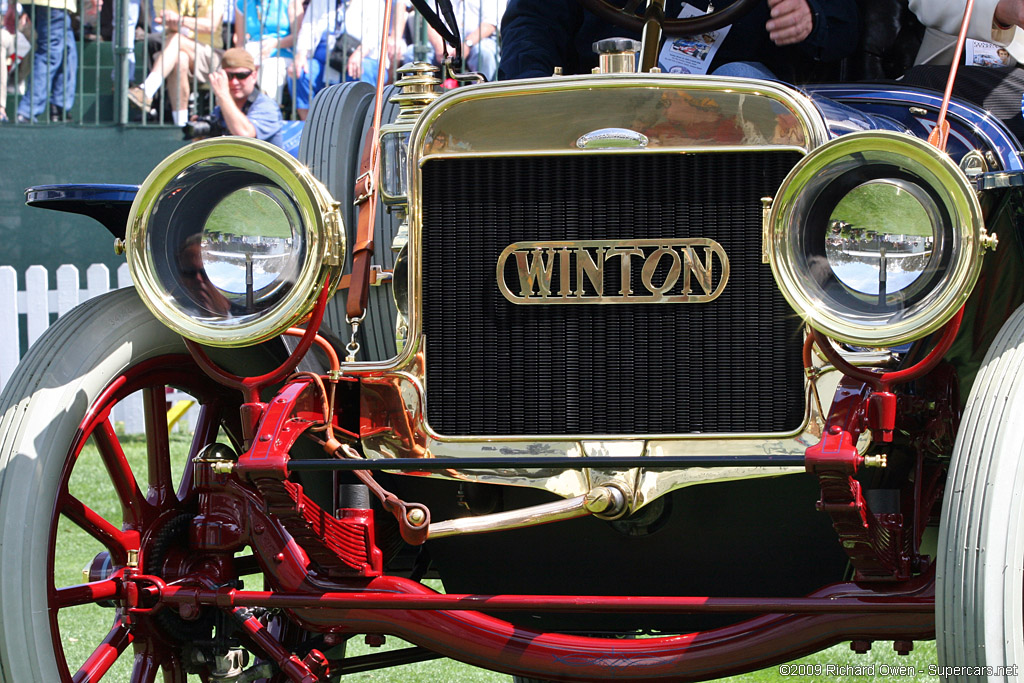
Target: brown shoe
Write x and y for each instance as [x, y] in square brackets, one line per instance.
[137, 97]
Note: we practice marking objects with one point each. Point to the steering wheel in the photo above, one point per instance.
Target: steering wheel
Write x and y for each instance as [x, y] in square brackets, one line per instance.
[627, 18]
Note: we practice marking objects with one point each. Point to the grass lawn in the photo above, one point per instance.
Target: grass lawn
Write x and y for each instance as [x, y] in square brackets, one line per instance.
[884, 208]
[84, 627]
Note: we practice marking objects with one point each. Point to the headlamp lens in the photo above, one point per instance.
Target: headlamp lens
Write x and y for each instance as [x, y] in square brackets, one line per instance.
[251, 248]
[881, 238]
[394, 152]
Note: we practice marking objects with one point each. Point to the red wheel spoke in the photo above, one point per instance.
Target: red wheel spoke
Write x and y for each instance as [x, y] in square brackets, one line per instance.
[205, 433]
[121, 474]
[105, 655]
[157, 445]
[145, 668]
[92, 523]
[84, 594]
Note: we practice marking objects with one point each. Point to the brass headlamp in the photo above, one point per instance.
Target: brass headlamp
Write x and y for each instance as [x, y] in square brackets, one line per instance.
[230, 241]
[874, 238]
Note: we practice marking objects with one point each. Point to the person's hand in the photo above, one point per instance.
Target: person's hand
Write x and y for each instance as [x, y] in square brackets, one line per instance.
[355, 64]
[219, 86]
[792, 21]
[171, 20]
[268, 45]
[10, 23]
[1010, 13]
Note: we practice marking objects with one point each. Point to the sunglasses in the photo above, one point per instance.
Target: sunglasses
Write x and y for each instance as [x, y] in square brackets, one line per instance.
[238, 75]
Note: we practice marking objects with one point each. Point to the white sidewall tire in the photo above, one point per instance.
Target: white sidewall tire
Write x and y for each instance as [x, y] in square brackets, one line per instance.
[41, 408]
[980, 572]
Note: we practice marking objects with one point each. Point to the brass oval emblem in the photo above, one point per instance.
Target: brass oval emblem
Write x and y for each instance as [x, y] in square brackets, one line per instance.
[612, 138]
[602, 271]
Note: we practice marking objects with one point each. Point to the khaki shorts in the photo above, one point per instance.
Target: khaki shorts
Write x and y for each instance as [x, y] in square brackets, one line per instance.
[207, 61]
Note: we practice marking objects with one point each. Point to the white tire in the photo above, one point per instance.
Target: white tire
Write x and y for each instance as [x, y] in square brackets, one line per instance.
[42, 407]
[980, 573]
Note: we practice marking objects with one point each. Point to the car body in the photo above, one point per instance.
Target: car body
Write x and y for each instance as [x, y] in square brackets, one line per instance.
[601, 403]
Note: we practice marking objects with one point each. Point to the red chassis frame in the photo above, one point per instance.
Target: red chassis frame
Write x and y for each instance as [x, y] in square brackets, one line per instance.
[326, 573]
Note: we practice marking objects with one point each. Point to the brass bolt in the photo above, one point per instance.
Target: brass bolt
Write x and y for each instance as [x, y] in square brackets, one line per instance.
[988, 242]
[609, 501]
[119, 246]
[133, 559]
[223, 467]
[598, 499]
[415, 516]
[876, 460]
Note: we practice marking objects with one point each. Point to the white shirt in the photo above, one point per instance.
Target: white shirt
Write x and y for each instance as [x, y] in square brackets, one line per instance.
[943, 19]
[363, 20]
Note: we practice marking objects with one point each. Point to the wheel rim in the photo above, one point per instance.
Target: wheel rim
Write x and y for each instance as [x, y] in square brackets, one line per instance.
[148, 498]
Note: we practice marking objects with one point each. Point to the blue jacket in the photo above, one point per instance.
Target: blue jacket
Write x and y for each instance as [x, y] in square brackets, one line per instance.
[264, 114]
[538, 35]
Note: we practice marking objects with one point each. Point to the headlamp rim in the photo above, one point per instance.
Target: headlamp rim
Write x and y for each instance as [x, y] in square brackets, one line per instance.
[931, 166]
[323, 250]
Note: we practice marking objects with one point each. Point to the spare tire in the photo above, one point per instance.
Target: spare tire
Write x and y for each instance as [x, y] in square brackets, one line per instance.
[332, 147]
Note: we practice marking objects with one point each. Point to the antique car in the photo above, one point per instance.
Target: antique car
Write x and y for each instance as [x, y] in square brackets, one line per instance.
[627, 375]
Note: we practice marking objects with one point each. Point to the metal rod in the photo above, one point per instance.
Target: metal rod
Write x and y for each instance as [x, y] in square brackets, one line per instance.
[408, 655]
[231, 598]
[541, 462]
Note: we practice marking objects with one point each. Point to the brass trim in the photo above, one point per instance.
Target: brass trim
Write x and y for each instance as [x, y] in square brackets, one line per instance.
[537, 263]
[603, 500]
[612, 138]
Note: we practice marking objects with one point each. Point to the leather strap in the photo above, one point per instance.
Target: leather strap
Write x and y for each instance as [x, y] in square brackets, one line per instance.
[362, 250]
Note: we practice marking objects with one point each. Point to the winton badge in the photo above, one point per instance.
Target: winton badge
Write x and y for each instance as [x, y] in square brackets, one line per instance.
[645, 271]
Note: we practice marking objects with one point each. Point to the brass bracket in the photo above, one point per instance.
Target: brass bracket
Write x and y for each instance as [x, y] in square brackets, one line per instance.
[766, 232]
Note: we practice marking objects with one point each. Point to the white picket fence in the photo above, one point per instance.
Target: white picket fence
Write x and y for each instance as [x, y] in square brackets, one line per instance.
[31, 310]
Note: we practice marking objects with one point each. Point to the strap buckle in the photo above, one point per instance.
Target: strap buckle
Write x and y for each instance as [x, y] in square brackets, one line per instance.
[364, 181]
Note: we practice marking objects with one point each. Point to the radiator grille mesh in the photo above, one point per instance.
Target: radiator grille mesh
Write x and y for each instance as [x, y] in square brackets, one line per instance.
[496, 368]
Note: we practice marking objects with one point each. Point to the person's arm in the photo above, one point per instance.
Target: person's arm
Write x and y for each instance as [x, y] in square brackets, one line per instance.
[537, 36]
[239, 36]
[948, 15]
[399, 15]
[486, 10]
[235, 120]
[1009, 13]
[312, 26]
[265, 117]
[482, 32]
[190, 26]
[834, 30]
[294, 19]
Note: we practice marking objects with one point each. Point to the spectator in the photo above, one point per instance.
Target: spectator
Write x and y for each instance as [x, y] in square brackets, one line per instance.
[192, 47]
[54, 62]
[10, 32]
[478, 23]
[266, 29]
[538, 35]
[992, 21]
[997, 89]
[355, 32]
[242, 108]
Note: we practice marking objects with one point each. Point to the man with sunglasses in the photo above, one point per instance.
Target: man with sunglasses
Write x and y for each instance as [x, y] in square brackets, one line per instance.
[242, 108]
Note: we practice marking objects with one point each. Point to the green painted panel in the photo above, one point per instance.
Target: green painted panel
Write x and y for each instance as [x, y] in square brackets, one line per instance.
[50, 154]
